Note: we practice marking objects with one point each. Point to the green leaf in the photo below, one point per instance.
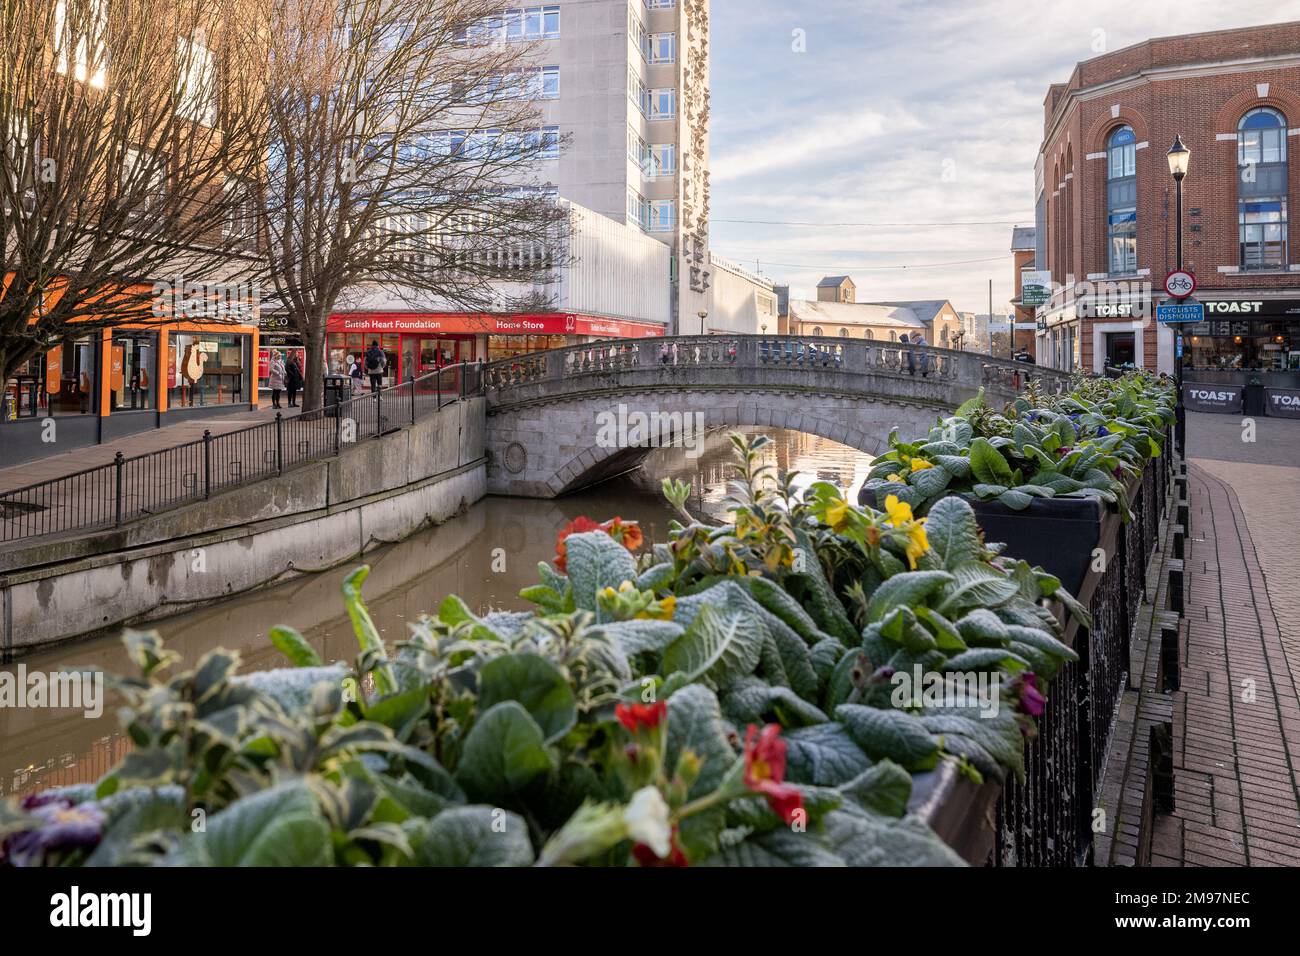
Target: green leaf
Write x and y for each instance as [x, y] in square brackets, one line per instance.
[946, 635]
[642, 637]
[906, 590]
[823, 754]
[890, 734]
[695, 723]
[367, 636]
[861, 838]
[930, 481]
[280, 826]
[535, 683]
[778, 848]
[953, 532]
[400, 712]
[956, 465]
[1016, 500]
[968, 408]
[295, 647]
[987, 463]
[471, 836]
[503, 753]
[986, 659]
[752, 701]
[883, 788]
[596, 561]
[982, 627]
[976, 585]
[717, 650]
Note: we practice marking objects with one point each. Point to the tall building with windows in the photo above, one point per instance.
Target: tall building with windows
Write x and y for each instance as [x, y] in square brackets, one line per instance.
[631, 107]
[1106, 219]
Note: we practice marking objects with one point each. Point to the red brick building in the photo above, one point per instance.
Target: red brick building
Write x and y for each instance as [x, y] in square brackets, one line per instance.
[1106, 204]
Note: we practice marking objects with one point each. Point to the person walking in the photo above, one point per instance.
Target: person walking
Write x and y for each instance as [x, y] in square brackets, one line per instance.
[911, 356]
[276, 376]
[354, 372]
[919, 340]
[375, 363]
[293, 380]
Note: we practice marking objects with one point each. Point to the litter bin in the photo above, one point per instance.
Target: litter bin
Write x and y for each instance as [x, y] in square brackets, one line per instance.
[1254, 397]
[338, 389]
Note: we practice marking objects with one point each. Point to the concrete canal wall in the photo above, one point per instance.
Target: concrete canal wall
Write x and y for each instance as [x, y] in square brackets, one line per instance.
[309, 519]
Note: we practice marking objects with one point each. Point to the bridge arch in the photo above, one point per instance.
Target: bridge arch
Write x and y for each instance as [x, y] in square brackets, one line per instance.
[550, 414]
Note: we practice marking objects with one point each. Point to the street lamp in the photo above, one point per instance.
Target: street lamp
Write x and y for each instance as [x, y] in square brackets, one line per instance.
[703, 315]
[1178, 157]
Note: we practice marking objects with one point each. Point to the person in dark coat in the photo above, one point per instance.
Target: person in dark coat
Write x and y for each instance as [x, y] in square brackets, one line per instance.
[293, 380]
[375, 363]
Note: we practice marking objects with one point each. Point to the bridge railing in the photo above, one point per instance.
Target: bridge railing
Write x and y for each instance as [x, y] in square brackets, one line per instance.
[819, 353]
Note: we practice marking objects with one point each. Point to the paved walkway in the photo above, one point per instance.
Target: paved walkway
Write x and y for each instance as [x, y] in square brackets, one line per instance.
[1237, 715]
[156, 439]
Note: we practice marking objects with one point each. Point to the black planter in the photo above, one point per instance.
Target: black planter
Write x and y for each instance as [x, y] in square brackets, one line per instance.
[1057, 534]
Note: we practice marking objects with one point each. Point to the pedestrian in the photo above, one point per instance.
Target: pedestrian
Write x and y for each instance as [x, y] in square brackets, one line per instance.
[663, 354]
[911, 356]
[376, 362]
[293, 379]
[354, 372]
[277, 377]
[919, 340]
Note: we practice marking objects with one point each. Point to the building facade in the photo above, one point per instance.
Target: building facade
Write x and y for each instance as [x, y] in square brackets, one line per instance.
[1106, 204]
[1023, 253]
[837, 313]
[738, 302]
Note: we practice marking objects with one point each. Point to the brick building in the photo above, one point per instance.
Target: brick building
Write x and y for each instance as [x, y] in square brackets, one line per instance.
[1023, 251]
[1105, 204]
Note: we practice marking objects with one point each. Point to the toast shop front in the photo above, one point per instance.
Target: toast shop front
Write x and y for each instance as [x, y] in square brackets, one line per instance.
[1244, 358]
[417, 343]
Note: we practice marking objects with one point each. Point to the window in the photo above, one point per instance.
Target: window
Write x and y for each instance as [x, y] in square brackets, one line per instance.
[82, 43]
[663, 104]
[206, 369]
[638, 210]
[637, 35]
[142, 182]
[531, 23]
[132, 368]
[870, 334]
[637, 93]
[817, 330]
[844, 333]
[1121, 200]
[550, 142]
[1262, 189]
[663, 48]
[660, 4]
[241, 214]
[196, 82]
[637, 151]
[663, 215]
[547, 83]
[893, 336]
[663, 159]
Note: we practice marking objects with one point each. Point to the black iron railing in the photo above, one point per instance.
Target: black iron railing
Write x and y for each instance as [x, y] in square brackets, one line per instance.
[129, 488]
[1048, 819]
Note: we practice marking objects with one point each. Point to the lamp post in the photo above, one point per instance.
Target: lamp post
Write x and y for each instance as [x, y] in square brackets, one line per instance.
[1178, 157]
[703, 315]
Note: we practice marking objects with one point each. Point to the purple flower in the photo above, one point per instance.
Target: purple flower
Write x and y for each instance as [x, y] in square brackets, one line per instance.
[1102, 431]
[59, 826]
[1025, 693]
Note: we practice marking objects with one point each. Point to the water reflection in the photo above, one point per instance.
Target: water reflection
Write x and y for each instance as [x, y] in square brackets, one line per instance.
[486, 556]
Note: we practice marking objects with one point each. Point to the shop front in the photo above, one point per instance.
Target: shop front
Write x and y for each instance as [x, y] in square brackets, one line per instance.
[1245, 357]
[417, 343]
[276, 336]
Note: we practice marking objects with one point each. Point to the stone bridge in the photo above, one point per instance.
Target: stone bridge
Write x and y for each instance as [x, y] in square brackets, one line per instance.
[564, 419]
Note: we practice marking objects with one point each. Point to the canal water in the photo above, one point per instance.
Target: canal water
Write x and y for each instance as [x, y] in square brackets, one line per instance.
[486, 556]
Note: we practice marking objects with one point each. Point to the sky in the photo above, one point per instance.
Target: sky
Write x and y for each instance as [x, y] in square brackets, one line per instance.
[897, 113]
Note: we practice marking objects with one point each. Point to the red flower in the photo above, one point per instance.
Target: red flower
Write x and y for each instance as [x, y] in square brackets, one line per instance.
[765, 771]
[578, 525]
[646, 857]
[634, 716]
[1029, 700]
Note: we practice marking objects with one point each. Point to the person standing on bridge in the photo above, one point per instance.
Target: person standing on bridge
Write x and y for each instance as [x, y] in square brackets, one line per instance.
[919, 339]
[911, 356]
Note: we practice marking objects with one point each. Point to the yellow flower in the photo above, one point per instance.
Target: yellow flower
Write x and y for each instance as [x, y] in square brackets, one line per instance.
[917, 542]
[837, 515]
[661, 610]
[897, 477]
[900, 512]
[920, 464]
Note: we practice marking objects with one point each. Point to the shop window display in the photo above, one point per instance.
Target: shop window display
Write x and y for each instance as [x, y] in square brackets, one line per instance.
[207, 369]
[60, 382]
[132, 371]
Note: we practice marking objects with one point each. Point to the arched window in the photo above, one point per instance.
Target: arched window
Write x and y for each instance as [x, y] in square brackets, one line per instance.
[870, 334]
[1262, 189]
[1121, 200]
[893, 336]
[844, 333]
[817, 330]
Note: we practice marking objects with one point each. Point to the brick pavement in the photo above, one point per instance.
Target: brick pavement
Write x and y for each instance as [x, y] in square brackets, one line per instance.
[1237, 714]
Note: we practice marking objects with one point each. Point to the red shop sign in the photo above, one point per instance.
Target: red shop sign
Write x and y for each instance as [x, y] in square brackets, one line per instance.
[552, 323]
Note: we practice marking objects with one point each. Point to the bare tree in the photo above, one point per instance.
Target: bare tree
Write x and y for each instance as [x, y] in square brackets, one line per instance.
[130, 132]
[404, 145]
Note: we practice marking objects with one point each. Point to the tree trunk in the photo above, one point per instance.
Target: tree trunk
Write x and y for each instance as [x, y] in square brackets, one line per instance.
[313, 373]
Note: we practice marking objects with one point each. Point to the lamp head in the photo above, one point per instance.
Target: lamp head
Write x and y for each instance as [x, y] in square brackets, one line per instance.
[1178, 157]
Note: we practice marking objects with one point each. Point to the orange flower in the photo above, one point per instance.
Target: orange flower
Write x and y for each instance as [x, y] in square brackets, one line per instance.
[626, 533]
[578, 525]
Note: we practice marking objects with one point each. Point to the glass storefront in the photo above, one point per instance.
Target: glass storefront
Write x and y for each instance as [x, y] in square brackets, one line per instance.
[1243, 345]
[132, 370]
[60, 382]
[206, 368]
[410, 355]
[508, 346]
